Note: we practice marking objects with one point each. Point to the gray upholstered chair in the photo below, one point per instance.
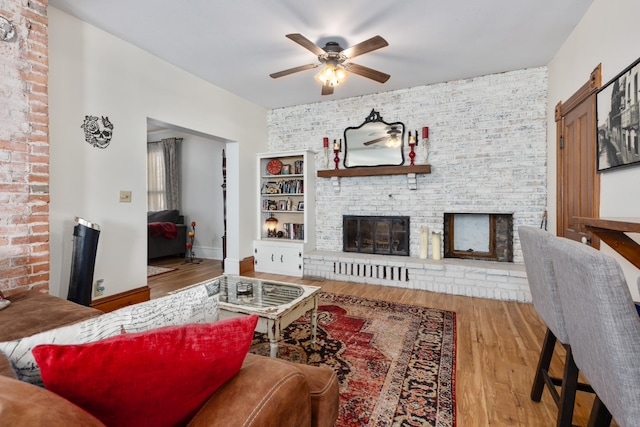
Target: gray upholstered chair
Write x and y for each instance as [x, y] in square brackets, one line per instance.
[603, 328]
[544, 292]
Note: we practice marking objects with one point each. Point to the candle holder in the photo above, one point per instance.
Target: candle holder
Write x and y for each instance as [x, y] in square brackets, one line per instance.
[191, 255]
[412, 153]
[336, 159]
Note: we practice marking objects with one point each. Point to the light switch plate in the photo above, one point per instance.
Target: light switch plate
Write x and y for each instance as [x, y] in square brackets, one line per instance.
[125, 196]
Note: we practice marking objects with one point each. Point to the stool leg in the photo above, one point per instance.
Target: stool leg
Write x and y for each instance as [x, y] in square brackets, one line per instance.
[543, 365]
[600, 415]
[568, 392]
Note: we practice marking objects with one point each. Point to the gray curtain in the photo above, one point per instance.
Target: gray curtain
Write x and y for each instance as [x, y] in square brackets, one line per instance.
[172, 173]
[163, 175]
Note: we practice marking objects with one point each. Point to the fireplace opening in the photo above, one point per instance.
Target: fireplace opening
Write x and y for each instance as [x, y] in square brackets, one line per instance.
[385, 235]
[479, 236]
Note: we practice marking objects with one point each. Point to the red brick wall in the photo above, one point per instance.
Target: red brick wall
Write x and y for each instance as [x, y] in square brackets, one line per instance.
[24, 149]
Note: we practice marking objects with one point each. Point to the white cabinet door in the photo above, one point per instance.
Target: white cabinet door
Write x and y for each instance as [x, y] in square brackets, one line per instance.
[279, 258]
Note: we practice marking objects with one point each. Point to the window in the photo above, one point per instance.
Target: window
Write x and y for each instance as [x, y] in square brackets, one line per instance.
[156, 178]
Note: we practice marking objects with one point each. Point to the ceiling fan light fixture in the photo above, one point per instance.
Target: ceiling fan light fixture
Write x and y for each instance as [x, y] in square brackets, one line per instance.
[331, 75]
[334, 60]
[394, 140]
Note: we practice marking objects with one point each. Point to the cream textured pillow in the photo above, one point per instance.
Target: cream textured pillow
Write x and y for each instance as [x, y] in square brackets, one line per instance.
[198, 304]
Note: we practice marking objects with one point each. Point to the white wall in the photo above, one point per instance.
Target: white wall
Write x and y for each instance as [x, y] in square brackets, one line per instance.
[94, 73]
[200, 188]
[608, 34]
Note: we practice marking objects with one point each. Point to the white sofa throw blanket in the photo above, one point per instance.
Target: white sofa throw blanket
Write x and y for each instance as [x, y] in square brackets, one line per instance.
[198, 304]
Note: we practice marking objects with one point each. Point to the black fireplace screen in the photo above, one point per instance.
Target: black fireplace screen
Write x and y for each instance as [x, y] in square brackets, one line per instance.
[386, 235]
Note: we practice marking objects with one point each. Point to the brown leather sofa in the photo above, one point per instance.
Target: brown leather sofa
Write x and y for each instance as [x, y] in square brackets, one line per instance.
[266, 391]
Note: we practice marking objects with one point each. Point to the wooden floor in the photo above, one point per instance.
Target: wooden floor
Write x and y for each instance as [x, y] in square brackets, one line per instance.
[498, 344]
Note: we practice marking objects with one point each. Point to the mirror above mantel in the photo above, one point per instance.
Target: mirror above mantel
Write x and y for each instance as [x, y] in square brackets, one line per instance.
[374, 143]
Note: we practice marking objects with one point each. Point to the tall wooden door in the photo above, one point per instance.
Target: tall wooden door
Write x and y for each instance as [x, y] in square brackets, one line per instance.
[578, 184]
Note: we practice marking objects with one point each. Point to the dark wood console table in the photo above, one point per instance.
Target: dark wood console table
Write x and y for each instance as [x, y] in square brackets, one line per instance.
[612, 232]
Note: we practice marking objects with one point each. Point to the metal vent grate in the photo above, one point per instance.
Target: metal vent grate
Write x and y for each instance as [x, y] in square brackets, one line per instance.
[373, 271]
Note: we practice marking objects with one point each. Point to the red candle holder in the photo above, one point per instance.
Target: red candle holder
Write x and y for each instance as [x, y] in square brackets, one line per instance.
[412, 154]
[336, 160]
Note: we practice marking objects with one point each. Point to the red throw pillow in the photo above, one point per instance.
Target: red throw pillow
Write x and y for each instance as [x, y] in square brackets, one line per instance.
[155, 378]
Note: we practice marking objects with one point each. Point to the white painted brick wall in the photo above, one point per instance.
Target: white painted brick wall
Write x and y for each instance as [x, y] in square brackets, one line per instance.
[488, 152]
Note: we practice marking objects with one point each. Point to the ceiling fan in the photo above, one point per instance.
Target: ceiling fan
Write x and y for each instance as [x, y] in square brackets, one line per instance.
[335, 59]
[392, 138]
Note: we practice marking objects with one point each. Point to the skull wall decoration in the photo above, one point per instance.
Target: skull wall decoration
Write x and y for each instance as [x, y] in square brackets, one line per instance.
[97, 131]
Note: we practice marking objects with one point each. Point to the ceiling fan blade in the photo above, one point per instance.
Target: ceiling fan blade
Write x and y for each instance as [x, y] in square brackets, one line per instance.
[306, 43]
[382, 138]
[367, 72]
[366, 46]
[327, 90]
[293, 70]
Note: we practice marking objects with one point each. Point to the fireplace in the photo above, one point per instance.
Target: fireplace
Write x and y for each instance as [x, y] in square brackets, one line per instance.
[384, 235]
[479, 236]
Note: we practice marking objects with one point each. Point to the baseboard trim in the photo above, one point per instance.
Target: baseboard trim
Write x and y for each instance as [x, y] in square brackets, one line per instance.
[246, 265]
[123, 299]
[207, 252]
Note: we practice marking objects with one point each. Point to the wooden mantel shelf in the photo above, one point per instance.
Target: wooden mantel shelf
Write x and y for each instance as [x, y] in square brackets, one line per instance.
[374, 171]
[410, 171]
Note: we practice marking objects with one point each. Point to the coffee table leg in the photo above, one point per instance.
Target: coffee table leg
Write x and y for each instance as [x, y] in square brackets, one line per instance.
[314, 322]
[273, 333]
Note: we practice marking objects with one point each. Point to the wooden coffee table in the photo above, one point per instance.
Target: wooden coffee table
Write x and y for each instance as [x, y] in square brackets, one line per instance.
[277, 304]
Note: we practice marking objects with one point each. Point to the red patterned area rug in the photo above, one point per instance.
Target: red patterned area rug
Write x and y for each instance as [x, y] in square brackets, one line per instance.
[395, 362]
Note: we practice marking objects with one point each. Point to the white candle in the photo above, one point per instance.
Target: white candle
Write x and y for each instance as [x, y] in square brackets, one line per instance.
[424, 242]
[435, 245]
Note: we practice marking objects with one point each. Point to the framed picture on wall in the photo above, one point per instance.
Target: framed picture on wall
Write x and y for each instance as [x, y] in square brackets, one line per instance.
[618, 120]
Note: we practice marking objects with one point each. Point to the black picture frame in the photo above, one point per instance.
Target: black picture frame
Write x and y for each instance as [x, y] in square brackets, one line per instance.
[618, 120]
[301, 206]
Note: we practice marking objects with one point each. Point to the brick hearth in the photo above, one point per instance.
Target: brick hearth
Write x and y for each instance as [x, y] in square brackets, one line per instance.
[485, 279]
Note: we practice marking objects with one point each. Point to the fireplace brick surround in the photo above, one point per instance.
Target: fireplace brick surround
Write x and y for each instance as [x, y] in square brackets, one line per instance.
[483, 279]
[487, 154]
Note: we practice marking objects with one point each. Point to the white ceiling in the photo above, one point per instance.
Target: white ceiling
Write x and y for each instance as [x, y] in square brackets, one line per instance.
[236, 44]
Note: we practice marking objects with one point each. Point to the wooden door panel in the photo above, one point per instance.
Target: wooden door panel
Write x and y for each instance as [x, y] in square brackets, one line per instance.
[578, 183]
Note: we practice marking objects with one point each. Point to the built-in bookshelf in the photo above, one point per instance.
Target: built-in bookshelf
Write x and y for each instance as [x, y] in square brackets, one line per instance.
[287, 211]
